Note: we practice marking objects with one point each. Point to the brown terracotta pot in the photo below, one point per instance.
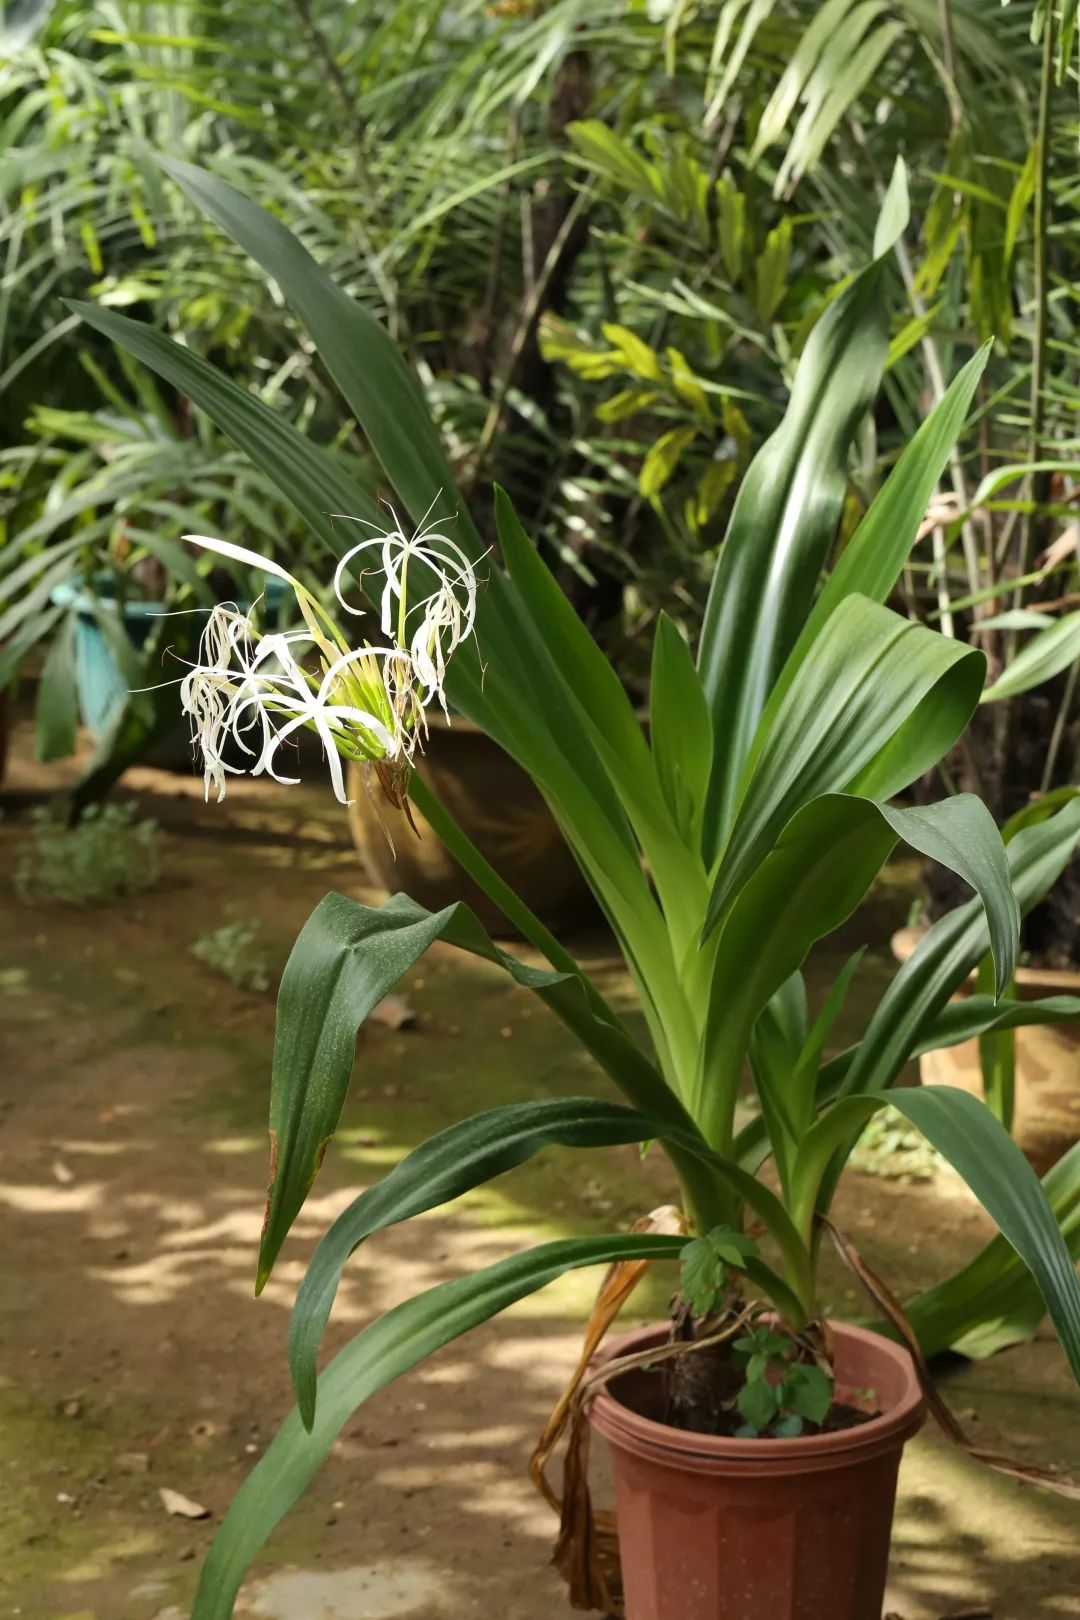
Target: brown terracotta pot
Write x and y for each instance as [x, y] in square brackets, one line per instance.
[494, 801]
[1046, 1121]
[712, 1528]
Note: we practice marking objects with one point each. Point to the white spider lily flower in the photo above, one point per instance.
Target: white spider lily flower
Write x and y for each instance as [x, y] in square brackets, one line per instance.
[447, 613]
[211, 691]
[365, 704]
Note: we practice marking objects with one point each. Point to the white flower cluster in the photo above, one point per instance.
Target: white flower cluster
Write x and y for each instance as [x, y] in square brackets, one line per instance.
[251, 693]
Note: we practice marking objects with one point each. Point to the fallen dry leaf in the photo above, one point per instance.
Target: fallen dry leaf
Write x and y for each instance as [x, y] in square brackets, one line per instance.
[182, 1506]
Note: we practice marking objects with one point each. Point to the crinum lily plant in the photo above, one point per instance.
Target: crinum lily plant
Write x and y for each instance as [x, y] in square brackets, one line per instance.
[746, 826]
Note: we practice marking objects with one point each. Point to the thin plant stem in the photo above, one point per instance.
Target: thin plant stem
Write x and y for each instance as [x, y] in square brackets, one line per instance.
[1040, 481]
[530, 310]
[1060, 722]
[938, 387]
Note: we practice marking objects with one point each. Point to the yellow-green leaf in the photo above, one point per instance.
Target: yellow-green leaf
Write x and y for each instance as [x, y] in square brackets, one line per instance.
[663, 458]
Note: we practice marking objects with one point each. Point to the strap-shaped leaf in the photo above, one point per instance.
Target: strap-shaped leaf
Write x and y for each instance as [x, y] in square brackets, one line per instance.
[784, 522]
[971, 1016]
[474, 1151]
[950, 950]
[583, 678]
[449, 1164]
[57, 709]
[588, 673]
[994, 1301]
[311, 478]
[358, 351]
[961, 835]
[879, 700]
[871, 563]
[680, 726]
[1044, 656]
[979, 1148]
[938, 966]
[391, 1346]
[819, 870]
[347, 958]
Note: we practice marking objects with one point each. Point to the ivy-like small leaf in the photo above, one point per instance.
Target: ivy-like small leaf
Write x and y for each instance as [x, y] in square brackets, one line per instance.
[735, 1248]
[762, 1343]
[758, 1402]
[807, 1390]
[788, 1427]
[701, 1276]
[704, 1260]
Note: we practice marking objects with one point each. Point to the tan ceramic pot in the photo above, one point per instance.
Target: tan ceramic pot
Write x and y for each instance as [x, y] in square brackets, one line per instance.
[1046, 1121]
[494, 801]
[712, 1528]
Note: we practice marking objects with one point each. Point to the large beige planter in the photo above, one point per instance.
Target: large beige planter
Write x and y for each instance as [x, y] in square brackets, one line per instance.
[493, 800]
[1046, 1121]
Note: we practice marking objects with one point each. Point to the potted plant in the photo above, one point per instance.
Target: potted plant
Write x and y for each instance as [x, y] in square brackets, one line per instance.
[748, 826]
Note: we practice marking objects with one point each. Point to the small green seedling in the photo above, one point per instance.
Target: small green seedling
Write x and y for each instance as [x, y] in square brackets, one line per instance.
[893, 1149]
[108, 855]
[705, 1264]
[780, 1395]
[233, 952]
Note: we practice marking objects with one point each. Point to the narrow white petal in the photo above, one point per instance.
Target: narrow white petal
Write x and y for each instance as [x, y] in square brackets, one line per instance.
[226, 548]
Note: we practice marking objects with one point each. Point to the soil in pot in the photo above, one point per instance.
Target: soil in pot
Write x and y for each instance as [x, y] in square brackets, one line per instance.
[715, 1527]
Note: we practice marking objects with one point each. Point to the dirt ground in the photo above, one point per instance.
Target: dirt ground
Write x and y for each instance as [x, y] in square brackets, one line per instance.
[133, 1089]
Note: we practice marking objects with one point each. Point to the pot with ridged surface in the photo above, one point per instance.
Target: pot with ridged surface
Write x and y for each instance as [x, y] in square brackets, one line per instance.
[713, 1527]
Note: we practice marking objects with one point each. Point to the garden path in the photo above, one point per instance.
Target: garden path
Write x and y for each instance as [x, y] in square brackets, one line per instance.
[132, 1357]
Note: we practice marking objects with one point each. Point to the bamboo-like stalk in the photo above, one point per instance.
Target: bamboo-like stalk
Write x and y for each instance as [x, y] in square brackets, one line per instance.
[1040, 482]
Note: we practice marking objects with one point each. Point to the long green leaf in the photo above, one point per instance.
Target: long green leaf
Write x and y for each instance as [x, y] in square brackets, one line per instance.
[994, 1301]
[879, 700]
[784, 521]
[820, 868]
[871, 562]
[680, 727]
[312, 479]
[960, 834]
[817, 873]
[347, 958]
[391, 1346]
[971, 1016]
[966, 1133]
[1044, 656]
[445, 1166]
[360, 354]
[950, 950]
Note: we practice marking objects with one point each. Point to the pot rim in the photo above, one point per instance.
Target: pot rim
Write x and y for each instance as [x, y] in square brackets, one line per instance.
[685, 1449]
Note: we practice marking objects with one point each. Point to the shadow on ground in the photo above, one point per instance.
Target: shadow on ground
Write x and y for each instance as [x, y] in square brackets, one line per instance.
[132, 1163]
